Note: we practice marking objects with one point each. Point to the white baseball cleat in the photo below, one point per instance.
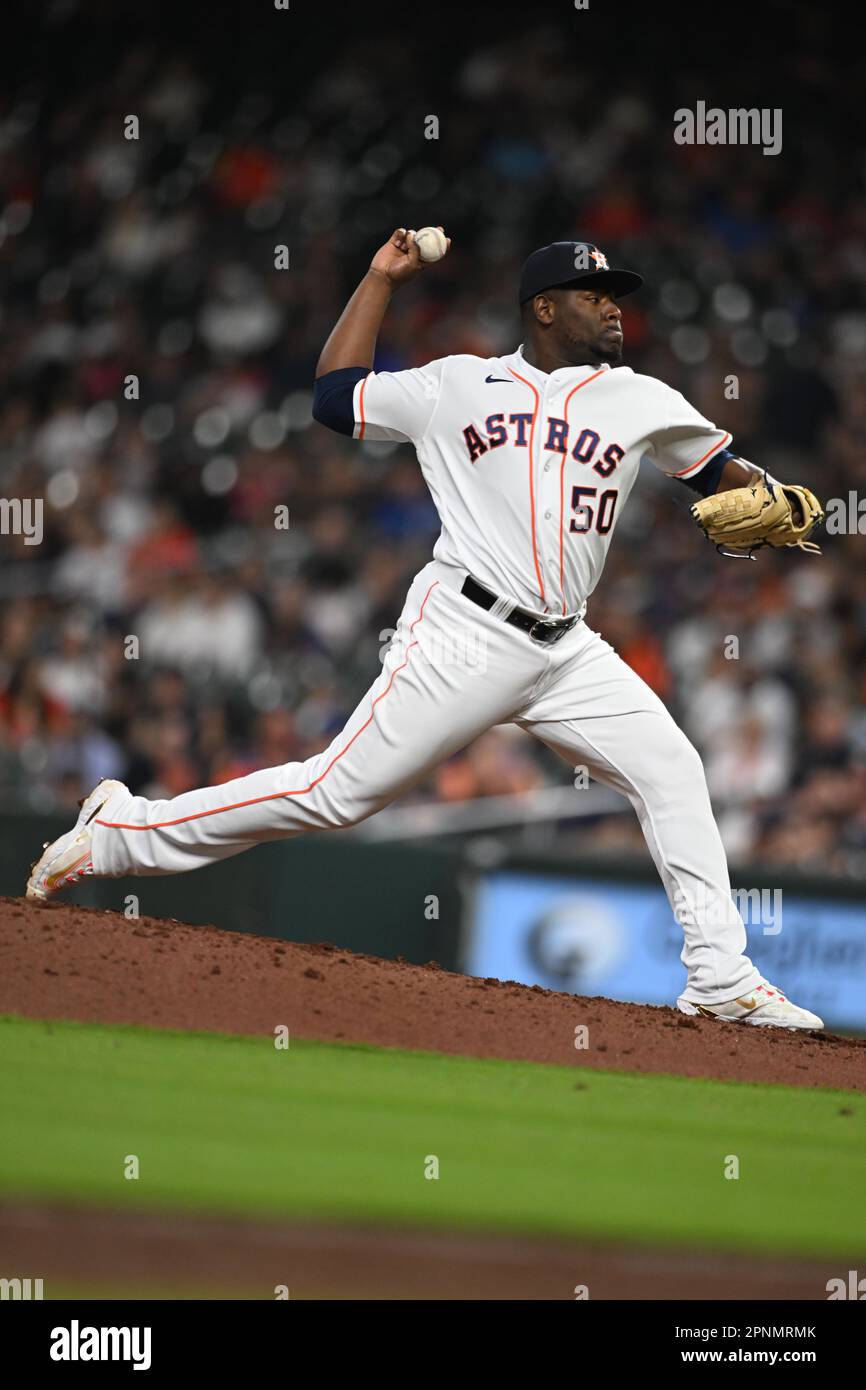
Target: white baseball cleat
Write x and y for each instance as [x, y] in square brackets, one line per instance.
[68, 859]
[765, 1006]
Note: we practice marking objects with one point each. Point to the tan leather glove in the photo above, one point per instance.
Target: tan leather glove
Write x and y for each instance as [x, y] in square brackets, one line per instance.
[763, 513]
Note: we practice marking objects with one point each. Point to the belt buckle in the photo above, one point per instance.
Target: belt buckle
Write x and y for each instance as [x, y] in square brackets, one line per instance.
[547, 625]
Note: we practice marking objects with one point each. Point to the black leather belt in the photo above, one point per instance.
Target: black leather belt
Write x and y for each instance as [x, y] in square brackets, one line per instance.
[539, 629]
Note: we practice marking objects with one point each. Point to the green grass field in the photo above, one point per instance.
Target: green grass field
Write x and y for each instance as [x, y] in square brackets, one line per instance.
[340, 1132]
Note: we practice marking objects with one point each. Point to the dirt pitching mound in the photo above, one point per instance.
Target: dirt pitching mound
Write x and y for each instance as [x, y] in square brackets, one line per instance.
[60, 961]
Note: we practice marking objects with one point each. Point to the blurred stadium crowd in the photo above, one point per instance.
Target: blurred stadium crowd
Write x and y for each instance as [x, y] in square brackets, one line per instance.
[153, 258]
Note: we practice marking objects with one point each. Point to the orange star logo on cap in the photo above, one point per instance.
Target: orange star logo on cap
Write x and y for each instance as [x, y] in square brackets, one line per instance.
[600, 259]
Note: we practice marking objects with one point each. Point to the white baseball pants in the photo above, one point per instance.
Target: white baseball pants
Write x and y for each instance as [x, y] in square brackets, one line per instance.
[452, 672]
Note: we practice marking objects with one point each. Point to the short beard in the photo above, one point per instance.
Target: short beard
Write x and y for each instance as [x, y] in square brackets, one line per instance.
[582, 352]
[610, 355]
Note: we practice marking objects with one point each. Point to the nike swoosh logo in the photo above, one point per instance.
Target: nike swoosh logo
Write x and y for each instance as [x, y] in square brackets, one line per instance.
[498, 378]
[95, 811]
[711, 1013]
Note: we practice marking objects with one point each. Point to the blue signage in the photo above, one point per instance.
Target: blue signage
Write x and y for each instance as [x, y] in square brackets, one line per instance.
[598, 936]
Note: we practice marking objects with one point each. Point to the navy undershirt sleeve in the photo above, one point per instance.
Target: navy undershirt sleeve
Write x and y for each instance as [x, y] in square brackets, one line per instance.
[332, 398]
[707, 481]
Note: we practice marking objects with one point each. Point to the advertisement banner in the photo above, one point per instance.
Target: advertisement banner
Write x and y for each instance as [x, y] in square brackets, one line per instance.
[597, 936]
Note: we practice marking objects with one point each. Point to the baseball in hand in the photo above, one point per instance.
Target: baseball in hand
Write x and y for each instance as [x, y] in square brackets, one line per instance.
[431, 243]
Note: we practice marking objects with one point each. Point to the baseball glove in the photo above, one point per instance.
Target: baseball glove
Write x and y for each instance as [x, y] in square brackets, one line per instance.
[744, 519]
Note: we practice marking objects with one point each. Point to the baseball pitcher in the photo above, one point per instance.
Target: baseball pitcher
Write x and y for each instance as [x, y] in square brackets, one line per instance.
[530, 459]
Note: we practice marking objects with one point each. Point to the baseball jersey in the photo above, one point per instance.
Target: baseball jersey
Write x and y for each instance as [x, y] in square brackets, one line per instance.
[529, 470]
